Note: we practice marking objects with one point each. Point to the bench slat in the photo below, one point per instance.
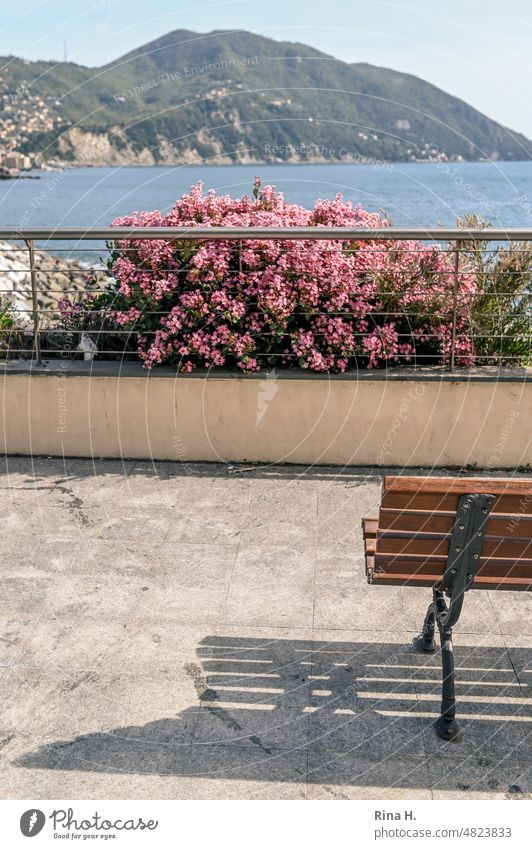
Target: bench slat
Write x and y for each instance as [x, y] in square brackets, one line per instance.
[501, 549]
[437, 524]
[458, 486]
[434, 502]
[369, 527]
[501, 569]
[409, 580]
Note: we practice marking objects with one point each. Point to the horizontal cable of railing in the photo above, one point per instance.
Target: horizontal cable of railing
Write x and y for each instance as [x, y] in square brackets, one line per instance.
[437, 234]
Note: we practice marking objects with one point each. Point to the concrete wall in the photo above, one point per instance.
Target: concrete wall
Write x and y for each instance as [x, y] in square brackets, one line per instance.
[404, 422]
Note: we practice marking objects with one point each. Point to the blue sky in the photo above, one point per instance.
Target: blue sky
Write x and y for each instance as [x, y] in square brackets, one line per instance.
[476, 49]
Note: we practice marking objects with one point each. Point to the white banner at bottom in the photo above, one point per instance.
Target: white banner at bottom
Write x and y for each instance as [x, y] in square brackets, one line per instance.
[266, 824]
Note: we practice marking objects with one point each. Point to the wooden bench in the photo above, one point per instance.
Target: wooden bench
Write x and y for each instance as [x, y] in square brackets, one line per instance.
[450, 534]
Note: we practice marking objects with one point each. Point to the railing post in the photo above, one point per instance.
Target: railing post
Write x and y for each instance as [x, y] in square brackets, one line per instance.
[456, 284]
[35, 303]
[240, 256]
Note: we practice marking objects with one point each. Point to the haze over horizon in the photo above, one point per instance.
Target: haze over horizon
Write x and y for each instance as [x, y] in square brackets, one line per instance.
[484, 62]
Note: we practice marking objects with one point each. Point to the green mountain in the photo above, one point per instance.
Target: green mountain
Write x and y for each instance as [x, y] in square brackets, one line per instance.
[238, 97]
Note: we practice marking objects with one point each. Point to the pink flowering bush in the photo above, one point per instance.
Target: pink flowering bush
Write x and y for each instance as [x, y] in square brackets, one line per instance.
[322, 305]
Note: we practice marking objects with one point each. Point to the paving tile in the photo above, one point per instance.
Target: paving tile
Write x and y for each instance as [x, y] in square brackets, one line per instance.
[477, 616]
[144, 762]
[492, 707]
[520, 653]
[279, 529]
[61, 719]
[236, 772]
[219, 526]
[366, 727]
[342, 603]
[332, 564]
[181, 604]
[256, 687]
[132, 646]
[159, 747]
[293, 502]
[356, 705]
[288, 605]
[491, 730]
[240, 719]
[348, 775]
[95, 595]
[513, 612]
[340, 531]
[271, 585]
[21, 783]
[480, 776]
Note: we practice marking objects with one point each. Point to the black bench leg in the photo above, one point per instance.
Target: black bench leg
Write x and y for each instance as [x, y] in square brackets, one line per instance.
[465, 549]
[425, 641]
[446, 726]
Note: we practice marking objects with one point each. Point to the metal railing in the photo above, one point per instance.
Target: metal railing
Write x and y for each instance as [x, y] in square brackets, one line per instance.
[433, 234]
[454, 238]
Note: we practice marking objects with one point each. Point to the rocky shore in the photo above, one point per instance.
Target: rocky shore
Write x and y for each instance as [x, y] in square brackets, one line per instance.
[57, 277]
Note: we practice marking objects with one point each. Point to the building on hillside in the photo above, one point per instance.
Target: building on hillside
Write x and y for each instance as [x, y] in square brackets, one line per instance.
[14, 161]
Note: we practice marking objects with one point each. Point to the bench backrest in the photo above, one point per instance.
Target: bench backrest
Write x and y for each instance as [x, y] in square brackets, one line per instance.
[409, 543]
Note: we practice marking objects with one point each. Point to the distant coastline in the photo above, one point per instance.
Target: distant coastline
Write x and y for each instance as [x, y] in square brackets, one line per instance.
[4, 176]
[226, 162]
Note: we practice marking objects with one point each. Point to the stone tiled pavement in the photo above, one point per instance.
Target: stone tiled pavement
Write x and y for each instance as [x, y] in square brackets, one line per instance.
[196, 631]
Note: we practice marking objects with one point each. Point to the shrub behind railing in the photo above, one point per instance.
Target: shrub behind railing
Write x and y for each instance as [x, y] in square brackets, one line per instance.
[323, 305]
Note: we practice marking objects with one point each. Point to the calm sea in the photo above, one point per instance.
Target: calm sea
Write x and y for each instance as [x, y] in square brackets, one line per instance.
[416, 195]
